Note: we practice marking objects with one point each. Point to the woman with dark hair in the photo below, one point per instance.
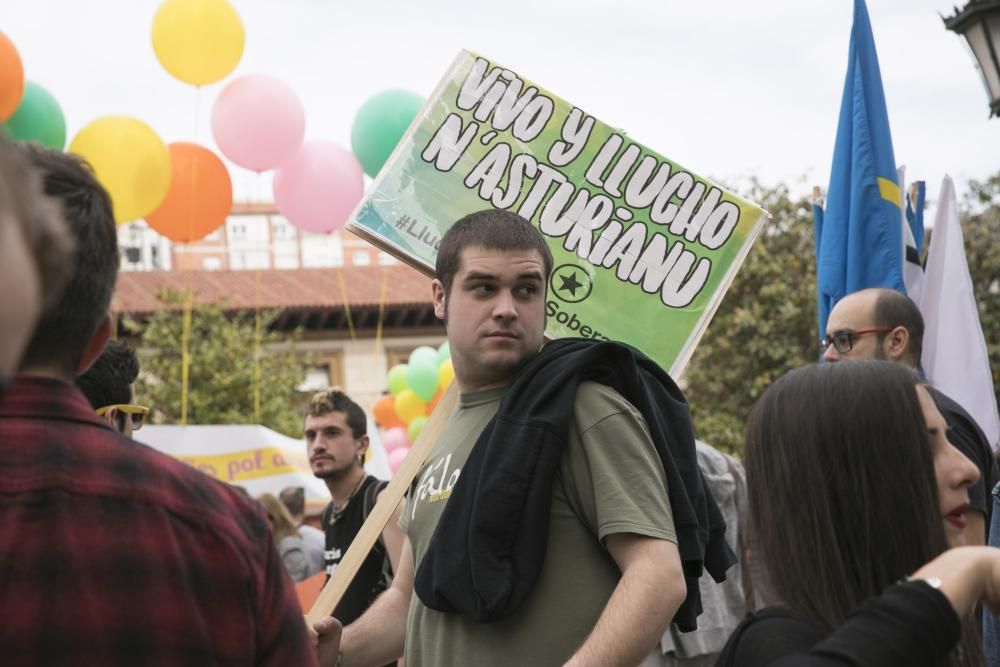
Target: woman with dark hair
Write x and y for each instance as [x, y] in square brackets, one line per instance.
[853, 486]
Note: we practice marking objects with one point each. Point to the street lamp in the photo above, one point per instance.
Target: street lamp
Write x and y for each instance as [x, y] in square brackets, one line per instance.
[979, 23]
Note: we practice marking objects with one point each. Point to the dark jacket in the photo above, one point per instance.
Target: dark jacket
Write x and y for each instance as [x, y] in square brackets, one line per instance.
[489, 544]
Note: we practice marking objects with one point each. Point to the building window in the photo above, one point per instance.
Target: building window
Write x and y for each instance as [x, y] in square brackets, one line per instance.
[361, 258]
[282, 230]
[327, 373]
[211, 263]
[385, 259]
[398, 355]
[239, 231]
[133, 254]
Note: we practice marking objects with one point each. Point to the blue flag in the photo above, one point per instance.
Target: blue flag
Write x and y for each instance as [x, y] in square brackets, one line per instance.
[860, 243]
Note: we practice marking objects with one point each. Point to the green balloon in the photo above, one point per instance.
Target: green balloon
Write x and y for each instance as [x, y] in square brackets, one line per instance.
[444, 354]
[424, 356]
[422, 378]
[379, 125]
[415, 427]
[397, 379]
[38, 118]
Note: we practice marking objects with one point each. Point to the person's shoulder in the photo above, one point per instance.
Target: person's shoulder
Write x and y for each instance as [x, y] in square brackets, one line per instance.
[959, 419]
[308, 531]
[769, 635]
[596, 402]
[191, 494]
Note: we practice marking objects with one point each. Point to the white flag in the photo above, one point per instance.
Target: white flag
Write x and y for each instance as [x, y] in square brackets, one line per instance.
[955, 357]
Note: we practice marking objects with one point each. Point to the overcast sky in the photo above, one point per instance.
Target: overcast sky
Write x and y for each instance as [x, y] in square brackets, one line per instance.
[729, 88]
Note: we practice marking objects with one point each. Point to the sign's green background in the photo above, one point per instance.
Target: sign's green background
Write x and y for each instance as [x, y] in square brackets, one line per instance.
[411, 204]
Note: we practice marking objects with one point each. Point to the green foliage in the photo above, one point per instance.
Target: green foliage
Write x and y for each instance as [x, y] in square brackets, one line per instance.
[981, 230]
[221, 368]
[765, 325]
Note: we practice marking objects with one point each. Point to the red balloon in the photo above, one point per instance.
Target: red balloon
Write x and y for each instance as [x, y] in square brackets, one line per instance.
[200, 195]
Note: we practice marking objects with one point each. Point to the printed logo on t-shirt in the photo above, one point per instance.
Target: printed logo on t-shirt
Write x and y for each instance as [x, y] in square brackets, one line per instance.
[332, 558]
[436, 483]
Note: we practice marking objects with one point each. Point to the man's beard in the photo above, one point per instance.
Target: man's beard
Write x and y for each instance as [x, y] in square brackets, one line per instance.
[333, 473]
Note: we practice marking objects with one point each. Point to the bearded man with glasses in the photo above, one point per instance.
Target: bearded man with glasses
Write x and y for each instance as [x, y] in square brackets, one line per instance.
[881, 323]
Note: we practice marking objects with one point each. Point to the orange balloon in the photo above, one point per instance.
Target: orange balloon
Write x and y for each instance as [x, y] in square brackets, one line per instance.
[200, 195]
[434, 401]
[11, 78]
[385, 413]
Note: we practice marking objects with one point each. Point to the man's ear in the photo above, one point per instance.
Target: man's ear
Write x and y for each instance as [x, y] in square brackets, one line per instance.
[438, 296]
[896, 343]
[96, 344]
[110, 416]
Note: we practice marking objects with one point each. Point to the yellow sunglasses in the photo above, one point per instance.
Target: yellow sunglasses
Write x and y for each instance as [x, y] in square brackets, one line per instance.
[137, 413]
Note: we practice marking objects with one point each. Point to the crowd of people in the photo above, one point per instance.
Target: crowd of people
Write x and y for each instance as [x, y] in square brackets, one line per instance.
[566, 515]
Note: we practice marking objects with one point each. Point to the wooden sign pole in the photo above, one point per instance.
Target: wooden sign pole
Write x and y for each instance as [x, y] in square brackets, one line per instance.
[388, 500]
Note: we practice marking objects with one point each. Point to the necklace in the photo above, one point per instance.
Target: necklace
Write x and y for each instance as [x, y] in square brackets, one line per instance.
[336, 511]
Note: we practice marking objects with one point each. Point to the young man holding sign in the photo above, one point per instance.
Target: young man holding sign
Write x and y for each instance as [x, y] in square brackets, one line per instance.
[555, 544]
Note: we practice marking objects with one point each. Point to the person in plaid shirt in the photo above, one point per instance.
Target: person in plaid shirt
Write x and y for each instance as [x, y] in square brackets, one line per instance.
[34, 253]
[112, 553]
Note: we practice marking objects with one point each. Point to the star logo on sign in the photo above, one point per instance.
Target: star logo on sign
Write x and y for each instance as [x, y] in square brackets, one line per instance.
[570, 283]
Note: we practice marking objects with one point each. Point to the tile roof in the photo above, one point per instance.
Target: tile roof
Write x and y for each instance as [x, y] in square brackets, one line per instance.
[136, 292]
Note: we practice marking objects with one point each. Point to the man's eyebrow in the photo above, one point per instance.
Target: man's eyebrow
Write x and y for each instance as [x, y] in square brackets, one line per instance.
[475, 275]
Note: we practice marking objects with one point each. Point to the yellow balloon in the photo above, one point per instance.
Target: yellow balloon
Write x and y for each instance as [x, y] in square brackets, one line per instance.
[446, 373]
[198, 41]
[409, 406]
[130, 161]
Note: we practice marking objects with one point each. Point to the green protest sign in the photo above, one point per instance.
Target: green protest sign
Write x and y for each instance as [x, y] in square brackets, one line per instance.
[644, 249]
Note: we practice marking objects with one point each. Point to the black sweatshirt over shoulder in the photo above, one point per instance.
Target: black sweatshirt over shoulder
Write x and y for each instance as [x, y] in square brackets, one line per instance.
[489, 544]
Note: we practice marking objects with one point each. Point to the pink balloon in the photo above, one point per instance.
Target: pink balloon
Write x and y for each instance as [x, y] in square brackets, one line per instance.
[319, 186]
[396, 457]
[395, 438]
[258, 121]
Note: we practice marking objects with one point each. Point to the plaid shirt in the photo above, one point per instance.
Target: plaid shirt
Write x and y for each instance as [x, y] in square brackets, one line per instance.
[114, 554]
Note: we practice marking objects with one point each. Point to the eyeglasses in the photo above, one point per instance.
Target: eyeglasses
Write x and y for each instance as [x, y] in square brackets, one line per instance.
[137, 413]
[843, 341]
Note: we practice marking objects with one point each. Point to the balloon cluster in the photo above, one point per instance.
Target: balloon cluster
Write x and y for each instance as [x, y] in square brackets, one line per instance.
[28, 111]
[414, 391]
[184, 190]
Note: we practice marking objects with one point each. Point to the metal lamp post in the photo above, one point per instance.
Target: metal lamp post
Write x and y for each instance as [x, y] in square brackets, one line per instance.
[979, 23]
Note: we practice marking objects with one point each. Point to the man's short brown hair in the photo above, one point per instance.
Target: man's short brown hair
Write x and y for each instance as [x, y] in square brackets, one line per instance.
[335, 400]
[65, 329]
[492, 229]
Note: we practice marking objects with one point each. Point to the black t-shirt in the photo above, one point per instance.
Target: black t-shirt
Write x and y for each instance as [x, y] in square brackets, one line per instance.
[910, 624]
[969, 439]
[372, 578]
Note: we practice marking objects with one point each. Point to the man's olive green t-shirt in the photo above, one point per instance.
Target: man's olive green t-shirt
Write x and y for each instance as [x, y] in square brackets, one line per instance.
[610, 480]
